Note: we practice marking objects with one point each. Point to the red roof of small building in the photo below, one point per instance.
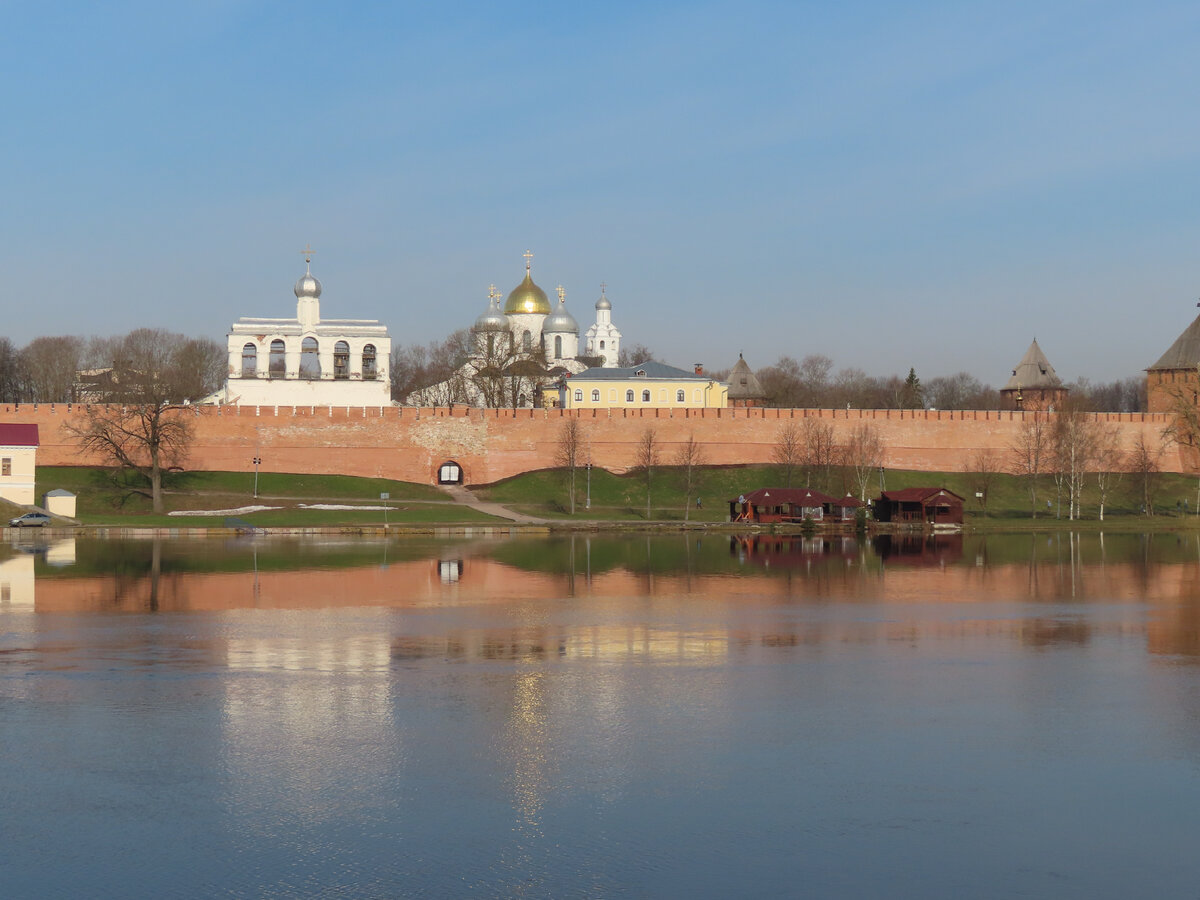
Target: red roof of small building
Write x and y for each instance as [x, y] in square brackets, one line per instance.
[917, 494]
[18, 435]
[781, 496]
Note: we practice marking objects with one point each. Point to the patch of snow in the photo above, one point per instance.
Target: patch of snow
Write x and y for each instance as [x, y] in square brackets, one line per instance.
[335, 506]
[240, 511]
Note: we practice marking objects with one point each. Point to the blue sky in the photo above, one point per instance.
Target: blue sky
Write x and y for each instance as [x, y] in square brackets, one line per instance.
[927, 185]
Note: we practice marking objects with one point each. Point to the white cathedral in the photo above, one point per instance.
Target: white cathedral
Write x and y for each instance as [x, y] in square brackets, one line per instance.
[523, 348]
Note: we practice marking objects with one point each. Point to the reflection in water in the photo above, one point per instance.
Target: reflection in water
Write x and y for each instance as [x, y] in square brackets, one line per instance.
[1152, 579]
[17, 582]
[917, 549]
[591, 715]
[525, 746]
[17, 575]
[287, 741]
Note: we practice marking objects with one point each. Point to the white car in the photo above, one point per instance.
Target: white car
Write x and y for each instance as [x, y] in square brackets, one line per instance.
[30, 520]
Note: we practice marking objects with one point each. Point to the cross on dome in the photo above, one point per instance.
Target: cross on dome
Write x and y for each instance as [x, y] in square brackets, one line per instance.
[528, 257]
[308, 255]
[562, 294]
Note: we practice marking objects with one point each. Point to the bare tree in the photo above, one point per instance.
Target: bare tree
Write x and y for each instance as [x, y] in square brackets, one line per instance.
[50, 365]
[820, 451]
[142, 421]
[1030, 453]
[688, 460]
[12, 373]
[568, 453]
[864, 454]
[1109, 463]
[960, 391]
[1145, 462]
[795, 385]
[646, 454]
[634, 354]
[1123, 395]
[200, 367]
[983, 467]
[1074, 441]
[432, 374]
[788, 452]
[506, 375]
[853, 387]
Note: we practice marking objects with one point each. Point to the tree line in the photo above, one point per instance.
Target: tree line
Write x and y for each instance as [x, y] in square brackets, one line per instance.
[138, 388]
[812, 383]
[433, 373]
[70, 369]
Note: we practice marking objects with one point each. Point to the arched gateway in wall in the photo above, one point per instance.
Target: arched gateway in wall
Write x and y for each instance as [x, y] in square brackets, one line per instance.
[449, 472]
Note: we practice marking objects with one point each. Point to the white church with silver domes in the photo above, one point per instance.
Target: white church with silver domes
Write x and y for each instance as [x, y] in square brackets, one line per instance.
[523, 348]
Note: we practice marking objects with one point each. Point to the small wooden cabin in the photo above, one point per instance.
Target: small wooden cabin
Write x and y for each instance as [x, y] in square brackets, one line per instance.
[843, 508]
[768, 505]
[920, 506]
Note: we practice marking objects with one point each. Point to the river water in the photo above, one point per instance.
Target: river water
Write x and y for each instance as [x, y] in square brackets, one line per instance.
[590, 716]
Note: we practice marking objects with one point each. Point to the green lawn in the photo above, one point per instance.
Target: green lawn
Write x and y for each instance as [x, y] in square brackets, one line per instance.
[100, 501]
[614, 498]
[623, 497]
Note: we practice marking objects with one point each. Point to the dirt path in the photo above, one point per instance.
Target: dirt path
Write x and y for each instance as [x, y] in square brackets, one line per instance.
[466, 498]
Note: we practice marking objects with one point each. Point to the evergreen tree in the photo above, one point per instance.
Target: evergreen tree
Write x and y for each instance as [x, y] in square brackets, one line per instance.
[914, 394]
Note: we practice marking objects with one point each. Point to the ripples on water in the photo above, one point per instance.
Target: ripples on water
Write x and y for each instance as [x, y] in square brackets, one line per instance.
[596, 717]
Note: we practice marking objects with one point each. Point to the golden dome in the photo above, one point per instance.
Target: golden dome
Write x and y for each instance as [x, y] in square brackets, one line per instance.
[527, 298]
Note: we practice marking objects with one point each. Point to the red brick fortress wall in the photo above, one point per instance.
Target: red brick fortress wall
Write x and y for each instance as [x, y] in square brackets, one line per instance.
[409, 444]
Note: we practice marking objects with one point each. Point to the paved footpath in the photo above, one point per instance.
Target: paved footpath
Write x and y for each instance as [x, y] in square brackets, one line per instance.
[466, 498]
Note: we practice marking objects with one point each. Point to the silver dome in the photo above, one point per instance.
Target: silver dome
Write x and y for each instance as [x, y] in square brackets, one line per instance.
[603, 303]
[560, 321]
[307, 286]
[493, 319]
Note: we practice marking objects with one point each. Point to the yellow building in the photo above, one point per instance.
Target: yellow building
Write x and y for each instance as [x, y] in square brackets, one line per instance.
[648, 384]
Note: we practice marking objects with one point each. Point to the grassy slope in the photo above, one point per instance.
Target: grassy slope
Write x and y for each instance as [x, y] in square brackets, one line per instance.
[544, 493]
[623, 497]
[99, 502]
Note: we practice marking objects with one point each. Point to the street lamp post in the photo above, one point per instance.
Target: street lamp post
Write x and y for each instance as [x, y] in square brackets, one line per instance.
[588, 504]
[257, 461]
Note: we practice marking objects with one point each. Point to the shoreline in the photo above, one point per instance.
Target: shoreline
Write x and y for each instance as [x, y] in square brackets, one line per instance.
[514, 529]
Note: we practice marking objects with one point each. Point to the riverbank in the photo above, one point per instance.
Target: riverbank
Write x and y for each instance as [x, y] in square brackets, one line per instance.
[539, 503]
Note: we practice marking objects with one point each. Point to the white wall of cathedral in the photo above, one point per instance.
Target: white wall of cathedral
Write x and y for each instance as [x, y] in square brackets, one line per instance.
[561, 346]
[527, 331]
[298, 392]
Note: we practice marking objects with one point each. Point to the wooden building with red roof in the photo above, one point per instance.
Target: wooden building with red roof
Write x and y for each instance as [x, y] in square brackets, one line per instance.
[770, 505]
[920, 505]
